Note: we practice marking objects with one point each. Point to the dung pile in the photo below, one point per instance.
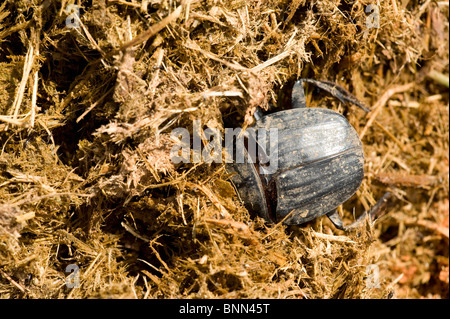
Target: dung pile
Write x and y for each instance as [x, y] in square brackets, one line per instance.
[90, 93]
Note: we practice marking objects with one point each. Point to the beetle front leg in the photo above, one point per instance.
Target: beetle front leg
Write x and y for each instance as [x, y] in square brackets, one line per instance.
[374, 213]
[299, 100]
[298, 95]
[258, 114]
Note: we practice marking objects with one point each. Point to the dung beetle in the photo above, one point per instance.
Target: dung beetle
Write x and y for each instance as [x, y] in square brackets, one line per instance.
[320, 162]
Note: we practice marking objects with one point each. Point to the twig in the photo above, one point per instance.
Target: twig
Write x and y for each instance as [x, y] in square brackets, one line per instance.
[236, 66]
[239, 228]
[342, 239]
[386, 131]
[381, 102]
[29, 200]
[25, 217]
[29, 60]
[439, 77]
[225, 214]
[273, 60]
[444, 231]
[159, 54]
[89, 36]
[12, 281]
[130, 229]
[90, 108]
[199, 16]
[9, 120]
[158, 256]
[407, 180]
[154, 29]
[137, 5]
[34, 98]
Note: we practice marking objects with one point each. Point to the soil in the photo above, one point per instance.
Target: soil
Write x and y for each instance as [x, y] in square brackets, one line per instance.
[90, 92]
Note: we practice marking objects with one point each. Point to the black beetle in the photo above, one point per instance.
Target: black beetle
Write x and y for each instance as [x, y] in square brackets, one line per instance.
[320, 163]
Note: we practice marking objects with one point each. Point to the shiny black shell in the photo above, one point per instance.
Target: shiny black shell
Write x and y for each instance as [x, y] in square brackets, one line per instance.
[320, 166]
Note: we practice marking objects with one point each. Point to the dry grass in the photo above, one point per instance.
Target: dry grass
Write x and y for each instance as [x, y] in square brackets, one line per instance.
[85, 172]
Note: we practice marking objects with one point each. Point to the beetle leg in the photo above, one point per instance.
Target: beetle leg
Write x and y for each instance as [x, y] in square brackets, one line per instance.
[374, 213]
[336, 219]
[258, 114]
[337, 91]
[298, 95]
